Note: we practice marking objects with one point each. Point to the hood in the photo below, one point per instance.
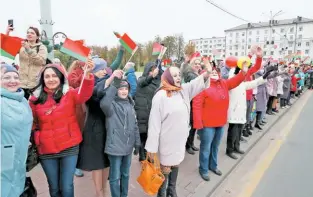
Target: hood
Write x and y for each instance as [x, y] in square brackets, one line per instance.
[148, 68]
[66, 86]
[18, 95]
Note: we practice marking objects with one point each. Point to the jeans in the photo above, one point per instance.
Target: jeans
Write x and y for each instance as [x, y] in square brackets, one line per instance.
[60, 175]
[210, 138]
[119, 175]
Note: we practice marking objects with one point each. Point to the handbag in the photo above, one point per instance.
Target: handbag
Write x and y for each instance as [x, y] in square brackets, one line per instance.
[32, 157]
[29, 189]
[151, 177]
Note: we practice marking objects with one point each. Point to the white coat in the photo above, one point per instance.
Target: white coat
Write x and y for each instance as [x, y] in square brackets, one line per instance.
[237, 99]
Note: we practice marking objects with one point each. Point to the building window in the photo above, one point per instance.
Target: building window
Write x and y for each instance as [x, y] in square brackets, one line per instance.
[243, 34]
[205, 46]
[257, 32]
[197, 42]
[272, 52]
[282, 30]
[206, 42]
[266, 31]
[210, 41]
[219, 41]
[230, 41]
[289, 52]
[265, 39]
[291, 37]
[291, 30]
[265, 46]
[307, 44]
[243, 41]
[243, 47]
[290, 44]
[307, 52]
[237, 34]
[210, 51]
[250, 33]
[205, 51]
[300, 28]
[230, 47]
[210, 46]
[300, 36]
[257, 39]
[214, 41]
[299, 44]
[231, 34]
[264, 53]
[273, 30]
[249, 46]
[236, 47]
[236, 53]
[249, 40]
[299, 51]
[242, 53]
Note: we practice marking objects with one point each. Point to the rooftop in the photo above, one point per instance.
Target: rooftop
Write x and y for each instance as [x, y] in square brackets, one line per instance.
[214, 37]
[299, 19]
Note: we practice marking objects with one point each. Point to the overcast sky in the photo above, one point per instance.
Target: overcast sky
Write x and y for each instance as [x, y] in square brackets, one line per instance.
[95, 20]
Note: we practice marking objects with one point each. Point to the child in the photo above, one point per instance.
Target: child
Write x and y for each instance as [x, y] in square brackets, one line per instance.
[122, 131]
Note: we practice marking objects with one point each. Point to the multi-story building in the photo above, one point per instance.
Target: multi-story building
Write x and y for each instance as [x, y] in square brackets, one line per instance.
[214, 46]
[278, 38]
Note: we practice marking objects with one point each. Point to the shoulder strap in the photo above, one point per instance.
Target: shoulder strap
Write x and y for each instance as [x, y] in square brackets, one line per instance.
[37, 48]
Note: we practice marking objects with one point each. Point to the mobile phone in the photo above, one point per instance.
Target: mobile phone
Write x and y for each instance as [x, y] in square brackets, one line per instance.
[10, 22]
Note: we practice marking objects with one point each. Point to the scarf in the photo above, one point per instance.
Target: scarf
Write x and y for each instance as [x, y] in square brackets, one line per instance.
[167, 83]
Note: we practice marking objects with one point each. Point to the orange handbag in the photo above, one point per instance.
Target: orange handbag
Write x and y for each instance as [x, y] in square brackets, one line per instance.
[151, 177]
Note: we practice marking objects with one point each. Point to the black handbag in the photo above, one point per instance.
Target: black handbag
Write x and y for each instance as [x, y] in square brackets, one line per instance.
[29, 189]
[32, 157]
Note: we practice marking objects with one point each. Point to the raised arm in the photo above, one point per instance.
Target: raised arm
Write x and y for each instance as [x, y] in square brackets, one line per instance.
[255, 83]
[235, 81]
[86, 90]
[106, 101]
[37, 59]
[132, 80]
[118, 60]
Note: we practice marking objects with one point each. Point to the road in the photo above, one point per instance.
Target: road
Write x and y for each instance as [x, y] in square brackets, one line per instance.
[290, 173]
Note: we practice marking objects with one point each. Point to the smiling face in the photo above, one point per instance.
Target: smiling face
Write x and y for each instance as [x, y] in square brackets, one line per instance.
[122, 92]
[175, 73]
[10, 81]
[214, 74]
[31, 35]
[196, 66]
[51, 79]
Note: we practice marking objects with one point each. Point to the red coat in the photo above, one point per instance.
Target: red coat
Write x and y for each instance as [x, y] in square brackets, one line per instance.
[211, 105]
[59, 129]
[294, 81]
[251, 72]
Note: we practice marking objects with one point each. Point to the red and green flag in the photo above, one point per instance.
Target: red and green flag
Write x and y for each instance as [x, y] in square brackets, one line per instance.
[128, 44]
[156, 49]
[10, 46]
[75, 49]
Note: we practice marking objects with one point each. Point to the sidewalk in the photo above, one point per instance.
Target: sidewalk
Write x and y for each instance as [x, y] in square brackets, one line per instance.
[190, 184]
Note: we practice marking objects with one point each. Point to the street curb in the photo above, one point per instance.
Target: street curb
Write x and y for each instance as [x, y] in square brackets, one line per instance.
[250, 148]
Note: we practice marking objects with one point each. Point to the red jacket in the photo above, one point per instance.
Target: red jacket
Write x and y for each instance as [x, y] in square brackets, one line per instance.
[251, 72]
[294, 81]
[211, 105]
[57, 125]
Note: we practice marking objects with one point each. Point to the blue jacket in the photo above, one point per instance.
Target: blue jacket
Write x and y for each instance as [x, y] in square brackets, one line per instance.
[132, 80]
[16, 124]
[302, 76]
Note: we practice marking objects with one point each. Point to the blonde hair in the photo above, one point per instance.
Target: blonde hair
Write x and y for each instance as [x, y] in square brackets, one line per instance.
[73, 66]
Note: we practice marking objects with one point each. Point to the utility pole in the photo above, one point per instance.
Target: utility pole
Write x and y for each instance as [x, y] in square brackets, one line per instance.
[46, 22]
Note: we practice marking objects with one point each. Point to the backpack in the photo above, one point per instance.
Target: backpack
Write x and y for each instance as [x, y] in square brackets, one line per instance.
[47, 60]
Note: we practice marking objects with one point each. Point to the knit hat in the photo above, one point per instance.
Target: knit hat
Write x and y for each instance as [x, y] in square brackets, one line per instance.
[123, 83]
[100, 64]
[8, 68]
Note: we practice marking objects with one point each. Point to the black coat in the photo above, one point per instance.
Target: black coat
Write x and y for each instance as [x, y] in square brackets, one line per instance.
[146, 87]
[91, 154]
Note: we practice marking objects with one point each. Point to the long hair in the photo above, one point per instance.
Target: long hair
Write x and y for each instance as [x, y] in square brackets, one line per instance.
[36, 30]
[57, 95]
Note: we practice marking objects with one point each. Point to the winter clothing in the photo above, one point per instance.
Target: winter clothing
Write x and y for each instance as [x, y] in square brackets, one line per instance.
[261, 94]
[31, 63]
[211, 105]
[252, 71]
[57, 124]
[224, 72]
[100, 64]
[237, 106]
[8, 68]
[121, 123]
[132, 80]
[16, 123]
[286, 86]
[280, 85]
[294, 81]
[165, 137]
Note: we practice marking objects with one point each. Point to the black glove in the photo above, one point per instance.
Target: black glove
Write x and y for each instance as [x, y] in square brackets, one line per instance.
[136, 151]
[268, 71]
[116, 82]
[237, 70]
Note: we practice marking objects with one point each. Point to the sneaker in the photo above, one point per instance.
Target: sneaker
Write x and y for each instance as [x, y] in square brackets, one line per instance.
[79, 173]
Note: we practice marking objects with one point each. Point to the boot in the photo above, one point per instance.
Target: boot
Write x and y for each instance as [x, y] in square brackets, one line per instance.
[250, 126]
[258, 121]
[257, 125]
[142, 154]
[172, 179]
[162, 189]
[245, 132]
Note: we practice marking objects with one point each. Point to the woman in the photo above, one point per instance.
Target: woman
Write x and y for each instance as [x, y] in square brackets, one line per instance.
[148, 83]
[123, 133]
[171, 105]
[210, 116]
[286, 88]
[91, 155]
[32, 57]
[57, 134]
[16, 123]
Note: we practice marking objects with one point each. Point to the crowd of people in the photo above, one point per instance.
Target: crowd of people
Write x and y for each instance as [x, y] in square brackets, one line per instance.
[95, 116]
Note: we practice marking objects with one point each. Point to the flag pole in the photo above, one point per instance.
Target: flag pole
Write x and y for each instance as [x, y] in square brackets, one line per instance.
[84, 76]
[133, 53]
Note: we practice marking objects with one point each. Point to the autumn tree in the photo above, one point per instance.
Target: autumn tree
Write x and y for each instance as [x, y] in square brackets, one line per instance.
[190, 48]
